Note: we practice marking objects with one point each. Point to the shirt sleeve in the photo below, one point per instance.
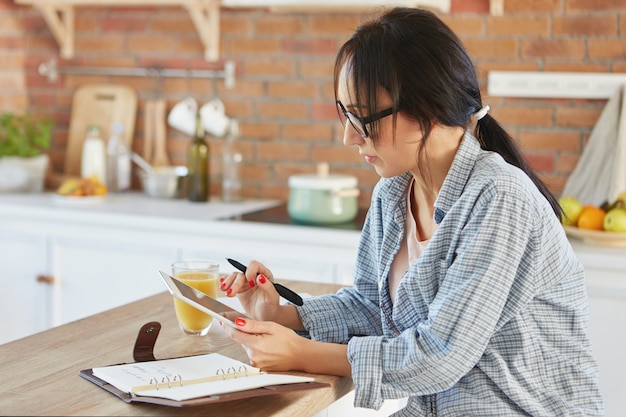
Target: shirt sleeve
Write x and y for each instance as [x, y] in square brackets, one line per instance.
[352, 311]
[486, 278]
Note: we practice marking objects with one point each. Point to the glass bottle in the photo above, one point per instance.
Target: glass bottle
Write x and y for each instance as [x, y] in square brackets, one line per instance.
[93, 158]
[231, 165]
[198, 165]
[118, 160]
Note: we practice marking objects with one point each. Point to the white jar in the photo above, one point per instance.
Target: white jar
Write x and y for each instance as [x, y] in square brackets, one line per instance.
[93, 161]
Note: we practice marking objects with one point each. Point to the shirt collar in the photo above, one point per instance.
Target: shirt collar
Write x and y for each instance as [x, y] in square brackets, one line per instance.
[458, 175]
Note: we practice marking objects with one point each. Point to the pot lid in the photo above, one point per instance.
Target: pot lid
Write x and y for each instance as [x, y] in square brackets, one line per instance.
[322, 180]
[315, 182]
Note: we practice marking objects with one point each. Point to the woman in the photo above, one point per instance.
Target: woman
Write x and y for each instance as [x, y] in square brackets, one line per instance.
[467, 296]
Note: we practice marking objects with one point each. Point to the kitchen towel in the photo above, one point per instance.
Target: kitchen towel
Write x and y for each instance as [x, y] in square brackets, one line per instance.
[600, 174]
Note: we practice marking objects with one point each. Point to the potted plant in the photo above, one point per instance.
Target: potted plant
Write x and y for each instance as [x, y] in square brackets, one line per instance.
[23, 161]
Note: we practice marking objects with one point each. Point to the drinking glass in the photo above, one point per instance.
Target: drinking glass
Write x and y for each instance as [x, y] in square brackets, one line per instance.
[203, 276]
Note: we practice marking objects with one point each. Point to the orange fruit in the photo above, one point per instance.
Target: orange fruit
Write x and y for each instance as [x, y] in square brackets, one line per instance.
[591, 218]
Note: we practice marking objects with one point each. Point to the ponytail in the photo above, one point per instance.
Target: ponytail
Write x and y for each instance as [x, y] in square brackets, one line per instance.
[493, 137]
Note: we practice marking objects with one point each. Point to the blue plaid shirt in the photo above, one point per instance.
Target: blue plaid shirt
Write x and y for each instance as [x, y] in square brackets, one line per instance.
[491, 320]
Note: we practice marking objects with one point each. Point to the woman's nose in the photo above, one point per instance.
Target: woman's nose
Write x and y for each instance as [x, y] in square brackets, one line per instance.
[351, 136]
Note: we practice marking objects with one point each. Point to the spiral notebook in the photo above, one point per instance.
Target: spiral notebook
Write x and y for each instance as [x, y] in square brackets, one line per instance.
[192, 380]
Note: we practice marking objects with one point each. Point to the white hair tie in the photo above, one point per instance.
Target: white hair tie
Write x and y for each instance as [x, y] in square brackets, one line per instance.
[482, 112]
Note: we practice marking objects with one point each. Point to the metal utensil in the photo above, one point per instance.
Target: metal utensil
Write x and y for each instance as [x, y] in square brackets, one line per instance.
[142, 163]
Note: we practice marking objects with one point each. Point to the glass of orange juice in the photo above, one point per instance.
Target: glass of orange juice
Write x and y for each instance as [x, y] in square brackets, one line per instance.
[203, 276]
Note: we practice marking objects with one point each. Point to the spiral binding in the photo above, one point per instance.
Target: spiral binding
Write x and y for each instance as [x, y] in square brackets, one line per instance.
[177, 381]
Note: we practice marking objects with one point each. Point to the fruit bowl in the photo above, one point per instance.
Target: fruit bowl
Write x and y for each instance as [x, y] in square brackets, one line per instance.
[597, 237]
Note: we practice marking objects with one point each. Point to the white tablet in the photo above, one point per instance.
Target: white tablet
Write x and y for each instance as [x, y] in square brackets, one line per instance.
[198, 299]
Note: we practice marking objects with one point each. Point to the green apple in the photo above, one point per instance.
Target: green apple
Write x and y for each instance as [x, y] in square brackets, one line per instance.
[571, 210]
[615, 220]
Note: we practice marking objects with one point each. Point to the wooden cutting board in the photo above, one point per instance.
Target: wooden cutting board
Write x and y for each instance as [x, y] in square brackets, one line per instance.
[102, 105]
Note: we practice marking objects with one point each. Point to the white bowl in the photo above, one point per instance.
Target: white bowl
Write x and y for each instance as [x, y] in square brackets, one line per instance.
[164, 182]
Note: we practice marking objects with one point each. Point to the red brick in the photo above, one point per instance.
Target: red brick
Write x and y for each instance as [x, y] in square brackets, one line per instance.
[310, 47]
[258, 46]
[265, 67]
[518, 25]
[300, 89]
[584, 25]
[282, 110]
[549, 140]
[274, 152]
[577, 117]
[334, 24]
[594, 5]
[278, 25]
[567, 162]
[308, 132]
[465, 25]
[469, 6]
[492, 48]
[544, 48]
[541, 162]
[607, 48]
[124, 24]
[523, 116]
[532, 6]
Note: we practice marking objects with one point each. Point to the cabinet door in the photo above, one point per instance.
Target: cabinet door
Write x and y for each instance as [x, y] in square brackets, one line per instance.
[23, 300]
[287, 260]
[98, 269]
[605, 271]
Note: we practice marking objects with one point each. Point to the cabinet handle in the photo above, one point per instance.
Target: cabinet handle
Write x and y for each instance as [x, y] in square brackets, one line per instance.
[46, 279]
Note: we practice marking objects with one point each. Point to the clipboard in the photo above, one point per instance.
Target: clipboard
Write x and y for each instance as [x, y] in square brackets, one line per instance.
[143, 352]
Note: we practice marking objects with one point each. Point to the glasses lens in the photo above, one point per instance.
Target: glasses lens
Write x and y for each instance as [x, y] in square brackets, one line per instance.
[357, 125]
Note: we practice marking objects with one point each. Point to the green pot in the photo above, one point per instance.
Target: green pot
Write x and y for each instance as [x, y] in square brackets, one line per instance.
[323, 199]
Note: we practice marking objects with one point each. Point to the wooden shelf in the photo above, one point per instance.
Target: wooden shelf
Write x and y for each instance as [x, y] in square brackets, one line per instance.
[59, 15]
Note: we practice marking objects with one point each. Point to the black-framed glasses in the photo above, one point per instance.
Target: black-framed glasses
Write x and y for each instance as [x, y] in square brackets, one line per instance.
[360, 123]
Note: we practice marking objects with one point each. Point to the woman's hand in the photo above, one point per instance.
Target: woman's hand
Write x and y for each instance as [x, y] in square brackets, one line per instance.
[255, 290]
[273, 347]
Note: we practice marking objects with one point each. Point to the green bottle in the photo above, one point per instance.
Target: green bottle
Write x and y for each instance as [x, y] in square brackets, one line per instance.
[198, 165]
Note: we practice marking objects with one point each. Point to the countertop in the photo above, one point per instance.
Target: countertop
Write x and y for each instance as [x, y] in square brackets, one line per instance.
[41, 371]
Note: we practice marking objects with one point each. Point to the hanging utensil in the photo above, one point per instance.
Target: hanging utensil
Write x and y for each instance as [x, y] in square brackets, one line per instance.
[148, 129]
[143, 164]
[160, 157]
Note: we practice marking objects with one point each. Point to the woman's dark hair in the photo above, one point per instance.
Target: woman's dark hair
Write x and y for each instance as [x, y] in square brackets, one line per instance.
[423, 66]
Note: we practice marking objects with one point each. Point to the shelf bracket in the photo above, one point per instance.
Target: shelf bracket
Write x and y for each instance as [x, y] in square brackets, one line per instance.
[206, 19]
[59, 16]
[60, 20]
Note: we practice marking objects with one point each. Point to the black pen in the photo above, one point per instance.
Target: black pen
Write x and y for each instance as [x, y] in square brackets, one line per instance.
[284, 292]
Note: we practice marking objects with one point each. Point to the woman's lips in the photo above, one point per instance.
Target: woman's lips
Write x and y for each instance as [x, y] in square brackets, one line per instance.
[369, 159]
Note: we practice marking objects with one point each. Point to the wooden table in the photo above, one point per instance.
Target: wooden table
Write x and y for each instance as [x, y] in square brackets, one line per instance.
[40, 372]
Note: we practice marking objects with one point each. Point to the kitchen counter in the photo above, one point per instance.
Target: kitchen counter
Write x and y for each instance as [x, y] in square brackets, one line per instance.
[41, 371]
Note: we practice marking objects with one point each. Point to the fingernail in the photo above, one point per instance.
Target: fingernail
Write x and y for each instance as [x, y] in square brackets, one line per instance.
[229, 292]
[223, 285]
[222, 279]
[251, 283]
[262, 279]
[240, 322]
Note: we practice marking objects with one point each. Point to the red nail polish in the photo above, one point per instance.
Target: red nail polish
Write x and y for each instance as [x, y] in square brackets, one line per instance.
[229, 292]
[240, 322]
[222, 279]
[251, 284]
[223, 285]
[262, 279]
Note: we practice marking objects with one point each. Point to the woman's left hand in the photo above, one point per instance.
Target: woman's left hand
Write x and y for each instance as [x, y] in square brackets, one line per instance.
[269, 345]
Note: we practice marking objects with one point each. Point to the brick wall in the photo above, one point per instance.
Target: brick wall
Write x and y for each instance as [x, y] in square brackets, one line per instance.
[283, 92]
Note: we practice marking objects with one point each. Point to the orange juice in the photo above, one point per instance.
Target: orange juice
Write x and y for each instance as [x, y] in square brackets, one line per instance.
[192, 320]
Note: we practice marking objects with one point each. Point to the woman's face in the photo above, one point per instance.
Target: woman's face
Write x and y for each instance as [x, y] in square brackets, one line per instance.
[389, 158]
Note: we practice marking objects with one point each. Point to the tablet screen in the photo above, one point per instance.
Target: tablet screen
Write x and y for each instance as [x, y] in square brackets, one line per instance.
[198, 299]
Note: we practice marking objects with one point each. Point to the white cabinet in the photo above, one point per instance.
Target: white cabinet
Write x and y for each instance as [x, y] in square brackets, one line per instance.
[23, 300]
[71, 262]
[605, 270]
